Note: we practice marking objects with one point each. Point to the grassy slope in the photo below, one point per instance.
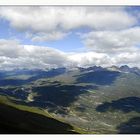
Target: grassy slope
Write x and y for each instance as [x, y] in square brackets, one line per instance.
[15, 119]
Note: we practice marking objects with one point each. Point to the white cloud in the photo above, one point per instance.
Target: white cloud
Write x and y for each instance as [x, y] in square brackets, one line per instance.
[17, 56]
[103, 59]
[45, 21]
[121, 47]
[113, 41]
[56, 35]
[14, 55]
[10, 48]
[87, 59]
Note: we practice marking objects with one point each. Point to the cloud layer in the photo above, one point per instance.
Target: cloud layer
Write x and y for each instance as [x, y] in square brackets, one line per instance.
[50, 18]
[113, 36]
[14, 55]
[17, 56]
[46, 22]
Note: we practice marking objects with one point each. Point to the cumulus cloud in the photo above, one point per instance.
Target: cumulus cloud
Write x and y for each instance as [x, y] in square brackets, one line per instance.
[50, 18]
[121, 47]
[55, 35]
[106, 60]
[14, 55]
[10, 48]
[45, 21]
[89, 58]
[113, 41]
[113, 36]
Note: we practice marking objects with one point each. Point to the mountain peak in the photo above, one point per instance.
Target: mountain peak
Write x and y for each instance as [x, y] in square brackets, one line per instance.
[125, 68]
[93, 68]
[113, 68]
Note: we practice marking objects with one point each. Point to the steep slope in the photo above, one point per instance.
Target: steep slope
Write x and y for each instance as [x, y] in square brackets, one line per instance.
[13, 121]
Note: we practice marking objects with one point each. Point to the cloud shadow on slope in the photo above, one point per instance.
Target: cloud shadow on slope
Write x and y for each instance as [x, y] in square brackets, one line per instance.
[57, 95]
[35, 75]
[126, 105]
[103, 77]
[132, 126]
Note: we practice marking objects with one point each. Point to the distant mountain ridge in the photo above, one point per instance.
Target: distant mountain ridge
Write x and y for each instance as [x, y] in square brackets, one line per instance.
[24, 76]
[39, 73]
[123, 68]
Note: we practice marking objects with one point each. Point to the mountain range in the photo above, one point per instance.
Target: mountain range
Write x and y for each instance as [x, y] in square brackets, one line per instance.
[89, 100]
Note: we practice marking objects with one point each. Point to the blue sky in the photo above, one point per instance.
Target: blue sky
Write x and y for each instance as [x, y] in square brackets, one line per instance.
[74, 36]
[72, 41]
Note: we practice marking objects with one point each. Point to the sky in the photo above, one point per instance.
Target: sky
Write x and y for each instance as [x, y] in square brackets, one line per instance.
[46, 37]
